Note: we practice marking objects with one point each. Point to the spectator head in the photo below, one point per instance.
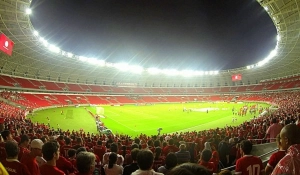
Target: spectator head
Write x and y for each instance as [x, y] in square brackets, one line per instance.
[24, 140]
[156, 143]
[85, 162]
[12, 149]
[289, 135]
[6, 135]
[50, 151]
[171, 161]
[182, 147]
[274, 120]
[81, 149]
[171, 142]
[145, 159]
[99, 142]
[71, 153]
[207, 146]
[157, 152]
[36, 146]
[246, 147]
[206, 155]
[67, 141]
[134, 153]
[189, 169]
[79, 140]
[112, 159]
[135, 146]
[114, 147]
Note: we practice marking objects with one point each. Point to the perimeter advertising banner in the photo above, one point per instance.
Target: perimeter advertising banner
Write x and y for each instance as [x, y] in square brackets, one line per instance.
[6, 45]
[236, 77]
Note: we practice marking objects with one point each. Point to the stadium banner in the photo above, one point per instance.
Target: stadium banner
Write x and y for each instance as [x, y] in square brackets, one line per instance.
[6, 45]
[236, 77]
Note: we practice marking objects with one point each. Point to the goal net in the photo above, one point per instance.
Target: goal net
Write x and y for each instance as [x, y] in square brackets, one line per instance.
[99, 110]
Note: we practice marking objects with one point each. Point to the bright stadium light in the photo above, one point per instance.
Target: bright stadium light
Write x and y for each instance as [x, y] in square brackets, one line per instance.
[28, 11]
[122, 66]
[273, 53]
[266, 8]
[211, 72]
[45, 42]
[82, 58]
[206, 73]
[187, 73]
[153, 71]
[216, 72]
[101, 62]
[199, 73]
[36, 33]
[41, 39]
[136, 69]
[92, 60]
[278, 37]
[70, 55]
[171, 72]
[53, 48]
[248, 67]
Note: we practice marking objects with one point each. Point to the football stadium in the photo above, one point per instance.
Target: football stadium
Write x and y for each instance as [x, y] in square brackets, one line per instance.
[66, 113]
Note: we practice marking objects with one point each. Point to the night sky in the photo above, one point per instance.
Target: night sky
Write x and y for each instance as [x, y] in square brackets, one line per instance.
[179, 34]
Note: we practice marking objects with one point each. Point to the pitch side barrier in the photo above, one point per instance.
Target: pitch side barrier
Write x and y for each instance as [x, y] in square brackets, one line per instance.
[263, 151]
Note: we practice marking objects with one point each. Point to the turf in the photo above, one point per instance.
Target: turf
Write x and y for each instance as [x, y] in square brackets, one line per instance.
[134, 120]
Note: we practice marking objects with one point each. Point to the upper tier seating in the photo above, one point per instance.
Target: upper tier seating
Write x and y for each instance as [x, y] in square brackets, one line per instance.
[7, 81]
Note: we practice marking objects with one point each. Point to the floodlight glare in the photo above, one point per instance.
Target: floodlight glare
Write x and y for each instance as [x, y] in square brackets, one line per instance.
[122, 66]
[273, 53]
[216, 72]
[82, 58]
[136, 69]
[266, 8]
[28, 11]
[170, 72]
[101, 62]
[70, 55]
[153, 71]
[36, 33]
[187, 73]
[248, 67]
[53, 48]
[199, 73]
[206, 72]
[92, 60]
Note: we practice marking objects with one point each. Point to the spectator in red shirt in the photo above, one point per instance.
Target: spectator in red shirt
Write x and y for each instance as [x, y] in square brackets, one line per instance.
[275, 157]
[205, 157]
[11, 164]
[248, 164]
[29, 159]
[99, 149]
[51, 154]
[273, 130]
[24, 143]
[170, 148]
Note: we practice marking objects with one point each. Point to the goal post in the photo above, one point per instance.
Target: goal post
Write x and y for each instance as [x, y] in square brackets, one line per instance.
[99, 110]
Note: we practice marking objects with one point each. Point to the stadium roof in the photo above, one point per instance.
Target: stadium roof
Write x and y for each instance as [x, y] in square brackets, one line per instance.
[32, 59]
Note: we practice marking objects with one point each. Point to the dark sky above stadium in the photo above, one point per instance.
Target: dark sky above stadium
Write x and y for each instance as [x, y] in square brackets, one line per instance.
[179, 34]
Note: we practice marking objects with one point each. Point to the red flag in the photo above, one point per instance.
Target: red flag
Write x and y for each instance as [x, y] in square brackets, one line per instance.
[6, 45]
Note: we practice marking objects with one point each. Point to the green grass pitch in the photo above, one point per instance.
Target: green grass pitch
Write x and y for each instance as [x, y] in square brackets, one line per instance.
[134, 120]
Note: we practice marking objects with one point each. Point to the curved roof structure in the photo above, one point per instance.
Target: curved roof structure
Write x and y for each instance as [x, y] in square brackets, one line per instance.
[31, 59]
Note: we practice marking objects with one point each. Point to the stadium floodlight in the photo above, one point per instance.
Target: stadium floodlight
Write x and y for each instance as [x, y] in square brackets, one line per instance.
[122, 66]
[70, 55]
[273, 53]
[101, 62]
[266, 8]
[92, 60]
[82, 58]
[216, 72]
[136, 69]
[199, 73]
[211, 72]
[206, 73]
[278, 37]
[36, 33]
[53, 48]
[45, 42]
[248, 67]
[153, 71]
[28, 11]
[171, 72]
[41, 39]
[187, 73]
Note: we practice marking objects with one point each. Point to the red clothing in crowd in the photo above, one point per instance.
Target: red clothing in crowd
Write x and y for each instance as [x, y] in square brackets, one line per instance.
[50, 170]
[275, 158]
[290, 163]
[210, 166]
[14, 167]
[170, 148]
[65, 165]
[22, 151]
[249, 164]
[31, 164]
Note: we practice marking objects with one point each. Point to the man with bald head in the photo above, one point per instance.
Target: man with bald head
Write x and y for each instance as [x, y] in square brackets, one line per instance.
[290, 163]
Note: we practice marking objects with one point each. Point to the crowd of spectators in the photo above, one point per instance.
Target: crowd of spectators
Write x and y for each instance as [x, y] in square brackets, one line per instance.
[43, 150]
